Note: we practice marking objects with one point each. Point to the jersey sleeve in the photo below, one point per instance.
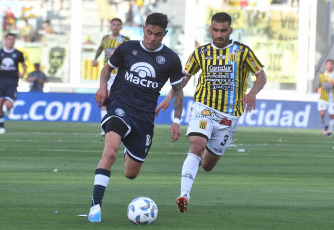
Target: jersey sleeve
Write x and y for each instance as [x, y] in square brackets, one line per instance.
[177, 73]
[21, 58]
[115, 60]
[192, 66]
[252, 62]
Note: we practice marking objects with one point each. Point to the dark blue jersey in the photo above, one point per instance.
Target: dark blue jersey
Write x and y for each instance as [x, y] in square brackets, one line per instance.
[9, 62]
[141, 75]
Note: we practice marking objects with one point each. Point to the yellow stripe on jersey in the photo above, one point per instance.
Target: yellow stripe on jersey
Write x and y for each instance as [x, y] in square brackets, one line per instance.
[223, 80]
[109, 45]
[325, 94]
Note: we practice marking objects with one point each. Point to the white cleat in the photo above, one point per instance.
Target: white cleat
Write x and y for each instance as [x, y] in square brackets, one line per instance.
[95, 213]
[2, 131]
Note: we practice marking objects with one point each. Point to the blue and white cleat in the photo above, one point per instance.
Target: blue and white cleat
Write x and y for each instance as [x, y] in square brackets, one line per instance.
[95, 213]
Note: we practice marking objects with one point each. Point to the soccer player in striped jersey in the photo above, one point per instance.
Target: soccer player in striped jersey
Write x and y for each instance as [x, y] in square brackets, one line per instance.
[143, 69]
[326, 100]
[220, 99]
[109, 44]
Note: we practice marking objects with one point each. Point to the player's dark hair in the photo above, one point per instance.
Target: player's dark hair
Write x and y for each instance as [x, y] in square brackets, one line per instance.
[221, 17]
[36, 65]
[157, 19]
[10, 34]
[116, 19]
[330, 60]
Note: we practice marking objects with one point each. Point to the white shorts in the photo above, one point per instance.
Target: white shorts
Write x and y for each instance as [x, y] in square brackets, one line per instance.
[325, 105]
[111, 80]
[218, 127]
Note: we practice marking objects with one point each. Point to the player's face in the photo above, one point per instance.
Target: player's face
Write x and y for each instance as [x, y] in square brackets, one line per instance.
[329, 66]
[153, 36]
[10, 41]
[115, 27]
[220, 32]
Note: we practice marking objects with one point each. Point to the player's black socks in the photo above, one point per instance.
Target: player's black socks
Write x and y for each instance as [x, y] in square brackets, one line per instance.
[102, 177]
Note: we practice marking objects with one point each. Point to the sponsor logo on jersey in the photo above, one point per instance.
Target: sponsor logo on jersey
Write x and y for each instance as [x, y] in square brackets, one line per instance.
[135, 52]
[221, 57]
[216, 117]
[139, 73]
[208, 57]
[120, 112]
[238, 50]
[160, 60]
[203, 51]
[232, 57]
[228, 87]
[252, 61]
[220, 69]
[203, 124]
[8, 64]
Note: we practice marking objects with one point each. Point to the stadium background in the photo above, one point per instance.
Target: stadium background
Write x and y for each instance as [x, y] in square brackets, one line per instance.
[291, 38]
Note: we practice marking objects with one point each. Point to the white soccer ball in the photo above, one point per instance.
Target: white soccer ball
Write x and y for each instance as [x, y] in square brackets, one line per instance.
[142, 211]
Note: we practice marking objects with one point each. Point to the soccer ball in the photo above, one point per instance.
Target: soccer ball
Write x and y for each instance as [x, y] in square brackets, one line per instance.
[142, 211]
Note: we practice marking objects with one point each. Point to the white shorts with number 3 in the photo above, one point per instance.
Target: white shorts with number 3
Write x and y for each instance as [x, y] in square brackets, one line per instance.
[218, 127]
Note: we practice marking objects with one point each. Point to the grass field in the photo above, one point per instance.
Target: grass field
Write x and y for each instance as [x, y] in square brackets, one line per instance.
[267, 179]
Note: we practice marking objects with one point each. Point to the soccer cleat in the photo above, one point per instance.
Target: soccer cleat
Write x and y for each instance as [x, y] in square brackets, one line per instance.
[329, 135]
[2, 130]
[102, 134]
[182, 203]
[95, 213]
[325, 130]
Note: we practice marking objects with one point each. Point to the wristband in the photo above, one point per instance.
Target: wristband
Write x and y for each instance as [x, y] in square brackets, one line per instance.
[177, 121]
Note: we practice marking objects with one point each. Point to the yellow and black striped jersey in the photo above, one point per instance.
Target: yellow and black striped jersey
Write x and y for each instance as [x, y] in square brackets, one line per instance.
[109, 45]
[223, 81]
[326, 94]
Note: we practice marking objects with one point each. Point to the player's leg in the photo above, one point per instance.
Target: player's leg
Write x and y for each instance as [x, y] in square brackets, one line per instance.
[115, 129]
[331, 120]
[322, 106]
[190, 168]
[2, 118]
[132, 167]
[209, 160]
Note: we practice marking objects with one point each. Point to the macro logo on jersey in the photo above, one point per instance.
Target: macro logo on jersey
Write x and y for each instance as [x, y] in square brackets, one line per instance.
[220, 69]
[8, 64]
[140, 74]
[216, 117]
[203, 124]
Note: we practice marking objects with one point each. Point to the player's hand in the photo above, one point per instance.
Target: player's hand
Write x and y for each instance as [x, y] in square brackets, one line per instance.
[101, 96]
[249, 100]
[95, 62]
[176, 130]
[21, 75]
[163, 106]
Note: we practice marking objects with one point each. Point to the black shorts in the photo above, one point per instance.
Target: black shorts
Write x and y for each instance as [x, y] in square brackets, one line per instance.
[136, 134]
[8, 92]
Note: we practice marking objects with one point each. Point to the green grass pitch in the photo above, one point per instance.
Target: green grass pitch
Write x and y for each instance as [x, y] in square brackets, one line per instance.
[267, 179]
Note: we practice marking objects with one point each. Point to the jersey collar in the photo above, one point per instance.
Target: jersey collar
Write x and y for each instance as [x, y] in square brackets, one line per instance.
[215, 47]
[8, 51]
[156, 50]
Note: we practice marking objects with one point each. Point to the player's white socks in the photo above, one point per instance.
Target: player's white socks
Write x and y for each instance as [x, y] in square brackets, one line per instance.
[103, 113]
[189, 171]
[330, 127]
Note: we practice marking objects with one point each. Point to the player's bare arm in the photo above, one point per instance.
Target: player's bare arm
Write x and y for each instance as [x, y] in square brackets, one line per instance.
[250, 98]
[98, 53]
[178, 107]
[102, 92]
[21, 75]
[166, 102]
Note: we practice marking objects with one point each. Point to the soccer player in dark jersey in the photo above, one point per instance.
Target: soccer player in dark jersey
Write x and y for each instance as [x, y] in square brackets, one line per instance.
[220, 99]
[9, 76]
[109, 44]
[143, 68]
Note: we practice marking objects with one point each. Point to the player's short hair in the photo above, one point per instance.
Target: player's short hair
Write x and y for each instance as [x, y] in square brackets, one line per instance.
[36, 65]
[10, 34]
[221, 17]
[157, 19]
[330, 60]
[117, 20]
